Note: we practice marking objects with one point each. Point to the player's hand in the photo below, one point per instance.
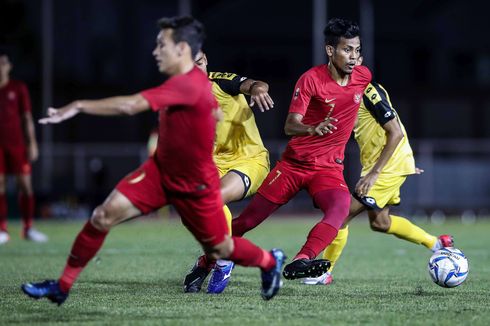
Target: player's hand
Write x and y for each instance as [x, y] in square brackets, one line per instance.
[365, 183]
[325, 127]
[418, 170]
[218, 114]
[59, 115]
[32, 152]
[259, 95]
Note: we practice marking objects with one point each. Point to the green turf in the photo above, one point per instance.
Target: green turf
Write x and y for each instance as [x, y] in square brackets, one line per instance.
[137, 279]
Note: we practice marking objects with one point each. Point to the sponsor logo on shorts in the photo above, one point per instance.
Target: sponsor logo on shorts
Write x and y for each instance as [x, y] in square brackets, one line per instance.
[278, 173]
[246, 181]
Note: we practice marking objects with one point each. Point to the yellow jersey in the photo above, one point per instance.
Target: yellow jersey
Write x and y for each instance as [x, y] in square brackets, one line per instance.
[374, 112]
[237, 136]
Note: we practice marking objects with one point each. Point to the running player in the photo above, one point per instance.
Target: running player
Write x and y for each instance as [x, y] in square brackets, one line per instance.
[18, 148]
[313, 159]
[239, 154]
[182, 172]
[387, 160]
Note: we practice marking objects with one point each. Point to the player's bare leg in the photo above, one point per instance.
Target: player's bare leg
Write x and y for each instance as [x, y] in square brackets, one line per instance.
[4, 236]
[115, 209]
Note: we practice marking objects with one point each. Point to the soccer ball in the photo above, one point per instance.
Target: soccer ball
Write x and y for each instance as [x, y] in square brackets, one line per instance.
[448, 267]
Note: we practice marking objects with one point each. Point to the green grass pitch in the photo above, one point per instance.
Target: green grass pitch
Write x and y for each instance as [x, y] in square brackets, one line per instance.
[137, 280]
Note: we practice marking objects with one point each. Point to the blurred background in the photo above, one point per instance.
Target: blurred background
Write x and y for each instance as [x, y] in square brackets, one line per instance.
[432, 56]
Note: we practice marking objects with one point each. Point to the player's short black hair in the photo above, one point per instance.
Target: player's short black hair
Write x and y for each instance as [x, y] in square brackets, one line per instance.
[337, 28]
[186, 29]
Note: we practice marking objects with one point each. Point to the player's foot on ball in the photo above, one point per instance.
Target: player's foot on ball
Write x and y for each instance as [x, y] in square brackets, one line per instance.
[48, 289]
[194, 280]
[34, 235]
[220, 277]
[446, 240]
[4, 237]
[325, 279]
[271, 280]
[301, 268]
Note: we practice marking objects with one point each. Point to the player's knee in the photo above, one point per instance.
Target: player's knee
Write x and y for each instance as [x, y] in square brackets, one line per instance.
[380, 225]
[101, 218]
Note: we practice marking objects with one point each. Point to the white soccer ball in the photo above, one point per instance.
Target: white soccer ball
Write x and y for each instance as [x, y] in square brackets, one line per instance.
[448, 267]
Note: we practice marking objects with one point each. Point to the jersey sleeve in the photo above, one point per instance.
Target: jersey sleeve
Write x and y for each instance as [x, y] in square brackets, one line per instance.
[25, 100]
[376, 101]
[303, 91]
[228, 82]
[178, 90]
[365, 75]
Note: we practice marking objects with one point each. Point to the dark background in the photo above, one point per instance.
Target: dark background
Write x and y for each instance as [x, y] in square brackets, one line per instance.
[432, 56]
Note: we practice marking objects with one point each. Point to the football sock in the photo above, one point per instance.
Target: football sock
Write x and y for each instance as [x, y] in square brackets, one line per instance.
[334, 250]
[228, 216]
[319, 237]
[86, 245]
[3, 213]
[245, 253]
[406, 230]
[205, 262]
[26, 205]
[255, 213]
[334, 204]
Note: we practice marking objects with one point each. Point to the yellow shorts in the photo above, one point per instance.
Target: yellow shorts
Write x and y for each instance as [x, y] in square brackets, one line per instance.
[386, 190]
[252, 172]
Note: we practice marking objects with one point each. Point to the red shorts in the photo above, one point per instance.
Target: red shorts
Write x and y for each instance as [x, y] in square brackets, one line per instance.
[287, 179]
[13, 160]
[202, 214]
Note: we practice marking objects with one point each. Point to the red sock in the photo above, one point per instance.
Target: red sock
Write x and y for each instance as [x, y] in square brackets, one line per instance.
[26, 205]
[319, 238]
[246, 253]
[205, 262]
[86, 245]
[3, 213]
[255, 213]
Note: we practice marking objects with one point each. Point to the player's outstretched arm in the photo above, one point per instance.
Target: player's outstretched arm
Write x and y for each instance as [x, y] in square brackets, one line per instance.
[295, 127]
[118, 105]
[394, 135]
[259, 93]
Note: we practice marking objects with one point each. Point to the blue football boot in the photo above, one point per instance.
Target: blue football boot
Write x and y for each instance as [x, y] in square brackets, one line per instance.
[271, 280]
[48, 289]
[220, 277]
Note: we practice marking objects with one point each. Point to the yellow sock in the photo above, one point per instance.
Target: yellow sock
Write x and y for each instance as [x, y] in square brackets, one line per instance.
[228, 216]
[406, 230]
[334, 250]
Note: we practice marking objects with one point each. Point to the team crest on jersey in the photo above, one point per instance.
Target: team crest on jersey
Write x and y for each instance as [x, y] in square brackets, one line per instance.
[357, 98]
[11, 95]
[296, 93]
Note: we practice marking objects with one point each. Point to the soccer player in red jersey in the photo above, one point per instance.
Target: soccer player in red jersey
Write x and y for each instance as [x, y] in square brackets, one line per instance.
[182, 172]
[313, 159]
[18, 147]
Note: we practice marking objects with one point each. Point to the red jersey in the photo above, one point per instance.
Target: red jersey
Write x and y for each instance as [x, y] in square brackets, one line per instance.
[315, 94]
[186, 132]
[14, 102]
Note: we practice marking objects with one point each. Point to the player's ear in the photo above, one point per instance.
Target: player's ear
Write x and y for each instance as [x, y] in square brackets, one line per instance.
[329, 49]
[183, 48]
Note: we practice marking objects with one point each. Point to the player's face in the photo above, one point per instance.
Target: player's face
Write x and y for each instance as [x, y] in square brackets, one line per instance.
[344, 57]
[166, 53]
[5, 65]
[201, 61]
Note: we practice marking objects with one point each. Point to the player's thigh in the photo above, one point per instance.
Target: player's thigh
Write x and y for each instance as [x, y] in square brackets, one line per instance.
[116, 209]
[385, 191]
[355, 209]
[380, 220]
[143, 188]
[250, 173]
[203, 216]
[282, 183]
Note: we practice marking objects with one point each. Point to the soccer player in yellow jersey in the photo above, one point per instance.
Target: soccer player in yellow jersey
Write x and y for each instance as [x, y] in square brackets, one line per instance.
[239, 154]
[387, 160]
